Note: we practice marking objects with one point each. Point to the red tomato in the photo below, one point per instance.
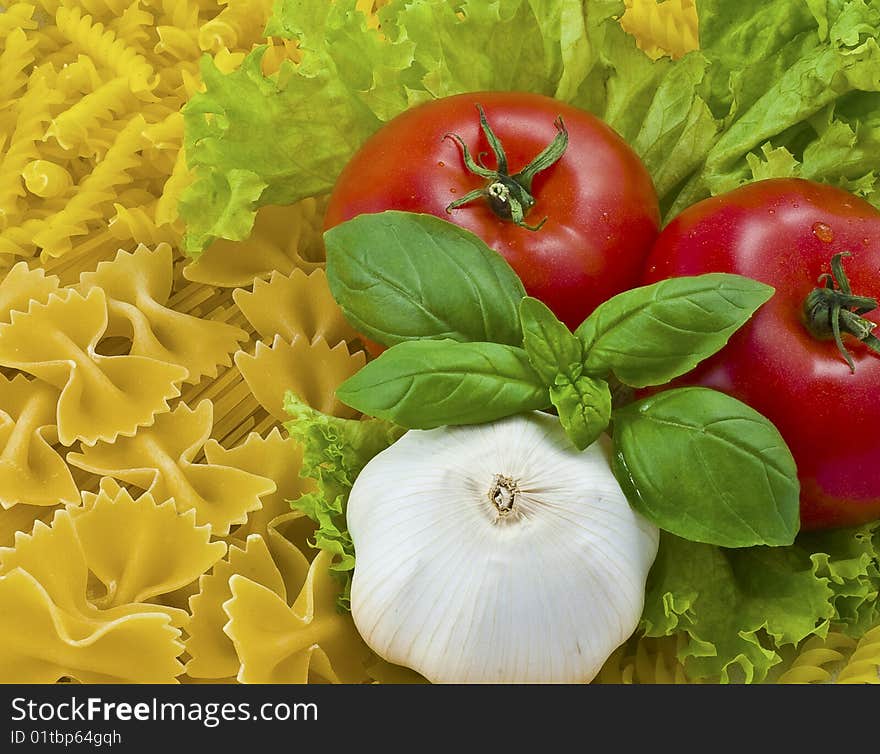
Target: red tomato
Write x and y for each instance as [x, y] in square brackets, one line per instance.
[599, 201]
[784, 233]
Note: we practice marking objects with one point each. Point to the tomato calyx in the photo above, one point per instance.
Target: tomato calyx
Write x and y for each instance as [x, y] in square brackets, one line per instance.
[509, 196]
[832, 309]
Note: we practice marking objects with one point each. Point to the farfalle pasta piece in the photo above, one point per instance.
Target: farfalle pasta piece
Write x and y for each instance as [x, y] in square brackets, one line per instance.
[283, 239]
[212, 651]
[138, 286]
[116, 555]
[139, 549]
[31, 470]
[22, 518]
[287, 532]
[312, 370]
[39, 643]
[21, 285]
[295, 305]
[102, 397]
[277, 643]
[159, 459]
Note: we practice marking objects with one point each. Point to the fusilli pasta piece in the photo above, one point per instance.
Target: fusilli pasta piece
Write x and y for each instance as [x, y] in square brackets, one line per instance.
[159, 459]
[662, 28]
[16, 57]
[817, 659]
[72, 127]
[99, 189]
[863, 665]
[93, 39]
[46, 179]
[33, 114]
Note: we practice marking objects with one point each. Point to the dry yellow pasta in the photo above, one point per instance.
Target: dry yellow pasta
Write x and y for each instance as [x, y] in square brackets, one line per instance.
[117, 359]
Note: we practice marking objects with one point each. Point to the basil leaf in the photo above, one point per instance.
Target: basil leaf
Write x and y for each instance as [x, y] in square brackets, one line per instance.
[704, 466]
[551, 347]
[584, 407]
[650, 335]
[402, 276]
[423, 384]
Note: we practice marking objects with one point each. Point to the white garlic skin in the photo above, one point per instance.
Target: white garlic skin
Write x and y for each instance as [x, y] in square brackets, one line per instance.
[449, 586]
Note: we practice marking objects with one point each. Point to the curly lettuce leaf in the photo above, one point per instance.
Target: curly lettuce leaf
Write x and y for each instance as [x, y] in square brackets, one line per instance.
[334, 452]
[292, 132]
[793, 79]
[807, 83]
[740, 609]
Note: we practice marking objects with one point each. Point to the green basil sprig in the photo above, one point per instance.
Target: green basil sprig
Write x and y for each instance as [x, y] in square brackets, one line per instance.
[708, 468]
[401, 276]
[583, 403]
[423, 384]
[651, 335]
[467, 346]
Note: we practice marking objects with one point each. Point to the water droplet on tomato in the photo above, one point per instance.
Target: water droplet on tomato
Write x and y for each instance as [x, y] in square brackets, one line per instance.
[771, 211]
[823, 232]
[441, 164]
[453, 191]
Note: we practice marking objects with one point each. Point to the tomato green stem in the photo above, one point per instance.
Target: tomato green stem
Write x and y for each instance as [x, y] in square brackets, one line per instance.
[509, 196]
[833, 309]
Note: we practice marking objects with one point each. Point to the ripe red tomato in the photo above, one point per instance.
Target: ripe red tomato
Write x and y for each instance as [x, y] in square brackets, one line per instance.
[599, 201]
[785, 233]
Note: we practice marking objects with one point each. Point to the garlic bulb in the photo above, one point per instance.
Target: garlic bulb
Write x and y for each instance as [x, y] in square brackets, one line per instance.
[496, 553]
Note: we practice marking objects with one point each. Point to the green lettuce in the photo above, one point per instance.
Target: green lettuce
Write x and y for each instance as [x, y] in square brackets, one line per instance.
[254, 140]
[778, 88]
[740, 609]
[334, 453]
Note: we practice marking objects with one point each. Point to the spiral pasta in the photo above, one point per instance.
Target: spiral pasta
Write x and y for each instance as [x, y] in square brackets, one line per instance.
[667, 28]
[863, 666]
[93, 39]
